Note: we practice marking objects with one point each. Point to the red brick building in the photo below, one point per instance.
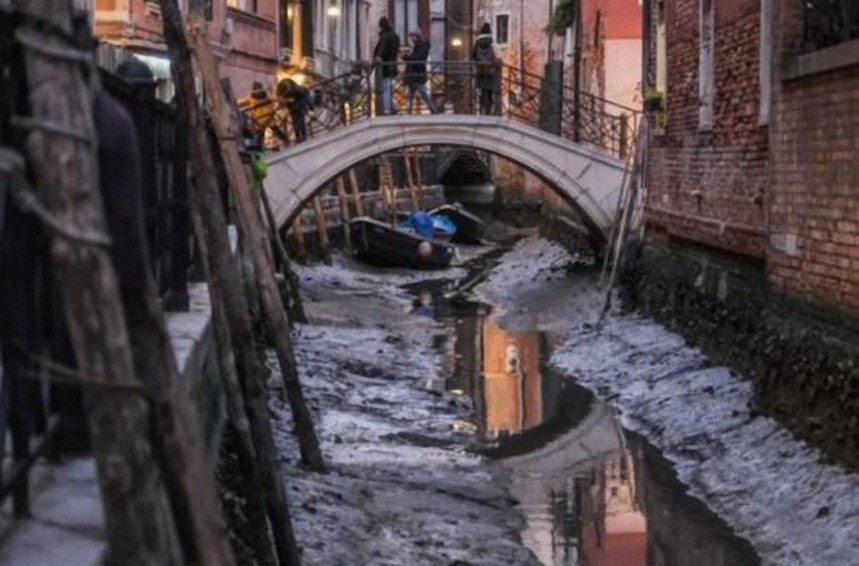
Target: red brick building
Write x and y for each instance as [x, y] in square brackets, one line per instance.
[755, 151]
[752, 209]
[814, 144]
[708, 161]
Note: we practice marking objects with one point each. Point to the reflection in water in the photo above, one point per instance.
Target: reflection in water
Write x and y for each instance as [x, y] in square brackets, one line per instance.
[591, 493]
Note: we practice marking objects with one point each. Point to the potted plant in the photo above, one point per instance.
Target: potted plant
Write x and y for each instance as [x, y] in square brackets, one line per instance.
[654, 101]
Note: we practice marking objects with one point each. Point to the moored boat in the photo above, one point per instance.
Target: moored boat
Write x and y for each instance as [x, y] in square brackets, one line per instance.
[383, 244]
[443, 228]
[469, 228]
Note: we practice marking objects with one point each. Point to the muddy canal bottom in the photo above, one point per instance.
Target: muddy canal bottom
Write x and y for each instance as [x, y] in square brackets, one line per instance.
[592, 493]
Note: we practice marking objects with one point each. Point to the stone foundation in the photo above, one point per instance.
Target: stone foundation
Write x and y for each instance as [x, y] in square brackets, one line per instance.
[802, 357]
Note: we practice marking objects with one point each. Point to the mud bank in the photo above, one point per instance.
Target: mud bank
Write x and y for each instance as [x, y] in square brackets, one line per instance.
[770, 487]
[401, 489]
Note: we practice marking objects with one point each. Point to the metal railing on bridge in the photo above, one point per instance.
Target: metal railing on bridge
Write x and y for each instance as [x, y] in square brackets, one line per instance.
[453, 87]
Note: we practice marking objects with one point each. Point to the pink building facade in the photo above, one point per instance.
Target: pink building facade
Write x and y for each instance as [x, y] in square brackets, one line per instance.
[244, 34]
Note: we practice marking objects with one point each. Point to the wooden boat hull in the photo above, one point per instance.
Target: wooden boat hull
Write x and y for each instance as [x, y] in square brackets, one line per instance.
[381, 244]
[469, 228]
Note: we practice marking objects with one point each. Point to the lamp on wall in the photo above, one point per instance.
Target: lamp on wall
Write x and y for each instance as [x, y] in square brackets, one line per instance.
[334, 10]
[456, 42]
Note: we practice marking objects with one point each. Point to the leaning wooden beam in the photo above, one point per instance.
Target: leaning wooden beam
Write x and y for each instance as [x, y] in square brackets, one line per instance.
[61, 149]
[226, 283]
[311, 454]
[296, 306]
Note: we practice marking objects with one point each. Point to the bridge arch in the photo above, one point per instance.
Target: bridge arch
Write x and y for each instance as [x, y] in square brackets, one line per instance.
[587, 178]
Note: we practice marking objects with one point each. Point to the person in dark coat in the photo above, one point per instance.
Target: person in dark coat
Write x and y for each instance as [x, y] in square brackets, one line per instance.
[416, 71]
[385, 56]
[298, 101]
[488, 72]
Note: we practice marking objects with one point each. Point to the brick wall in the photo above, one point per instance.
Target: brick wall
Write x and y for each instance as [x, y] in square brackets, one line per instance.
[814, 200]
[709, 186]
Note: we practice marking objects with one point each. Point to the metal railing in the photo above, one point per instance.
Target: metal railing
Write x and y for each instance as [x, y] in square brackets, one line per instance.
[164, 170]
[454, 88]
[39, 413]
[829, 22]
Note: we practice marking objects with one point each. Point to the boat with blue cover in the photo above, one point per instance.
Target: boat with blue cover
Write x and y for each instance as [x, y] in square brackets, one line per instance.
[383, 244]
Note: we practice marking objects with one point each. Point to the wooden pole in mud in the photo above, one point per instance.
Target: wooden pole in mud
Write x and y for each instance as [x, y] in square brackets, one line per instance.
[226, 283]
[295, 304]
[413, 195]
[298, 239]
[321, 228]
[419, 181]
[343, 199]
[311, 454]
[356, 192]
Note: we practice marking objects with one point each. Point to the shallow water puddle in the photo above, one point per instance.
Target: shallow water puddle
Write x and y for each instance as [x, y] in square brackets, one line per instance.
[592, 494]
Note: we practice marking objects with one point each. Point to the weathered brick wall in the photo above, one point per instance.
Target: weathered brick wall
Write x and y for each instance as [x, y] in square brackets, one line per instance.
[814, 200]
[709, 186]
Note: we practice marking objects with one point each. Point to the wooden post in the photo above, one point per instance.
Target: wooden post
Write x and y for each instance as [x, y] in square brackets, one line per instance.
[356, 192]
[321, 228]
[311, 454]
[296, 305]
[345, 217]
[419, 180]
[410, 181]
[298, 238]
[225, 283]
[138, 519]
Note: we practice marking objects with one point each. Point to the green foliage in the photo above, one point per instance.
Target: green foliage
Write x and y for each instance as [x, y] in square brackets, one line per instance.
[654, 100]
[563, 17]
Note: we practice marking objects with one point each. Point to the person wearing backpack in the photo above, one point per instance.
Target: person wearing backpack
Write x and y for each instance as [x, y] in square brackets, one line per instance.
[488, 72]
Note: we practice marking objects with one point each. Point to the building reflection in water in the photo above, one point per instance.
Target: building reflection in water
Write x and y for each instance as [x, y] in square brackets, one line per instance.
[584, 486]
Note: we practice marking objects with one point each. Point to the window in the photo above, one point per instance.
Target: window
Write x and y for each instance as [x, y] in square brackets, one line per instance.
[502, 29]
[246, 5]
[204, 6]
[706, 67]
[406, 17]
[830, 22]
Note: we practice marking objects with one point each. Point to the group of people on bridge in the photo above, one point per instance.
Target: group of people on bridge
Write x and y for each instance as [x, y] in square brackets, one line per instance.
[295, 104]
[386, 56]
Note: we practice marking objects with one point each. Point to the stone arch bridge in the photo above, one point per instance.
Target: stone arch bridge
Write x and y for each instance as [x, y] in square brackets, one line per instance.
[587, 178]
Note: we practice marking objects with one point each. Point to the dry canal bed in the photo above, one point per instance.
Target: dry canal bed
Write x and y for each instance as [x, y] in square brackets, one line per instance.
[501, 426]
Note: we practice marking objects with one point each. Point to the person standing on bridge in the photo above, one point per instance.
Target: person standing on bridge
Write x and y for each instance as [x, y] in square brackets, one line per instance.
[298, 101]
[385, 56]
[488, 72]
[416, 70]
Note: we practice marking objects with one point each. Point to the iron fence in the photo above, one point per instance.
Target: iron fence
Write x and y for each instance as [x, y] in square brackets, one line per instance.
[453, 87]
[164, 170]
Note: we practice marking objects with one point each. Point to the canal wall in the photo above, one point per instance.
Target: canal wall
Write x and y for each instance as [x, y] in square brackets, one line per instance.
[801, 355]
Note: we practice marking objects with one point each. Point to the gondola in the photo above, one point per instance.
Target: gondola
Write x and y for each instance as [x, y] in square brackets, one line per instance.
[469, 228]
[382, 244]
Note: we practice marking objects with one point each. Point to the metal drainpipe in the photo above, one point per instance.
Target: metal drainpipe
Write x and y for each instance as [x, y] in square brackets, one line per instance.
[521, 40]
